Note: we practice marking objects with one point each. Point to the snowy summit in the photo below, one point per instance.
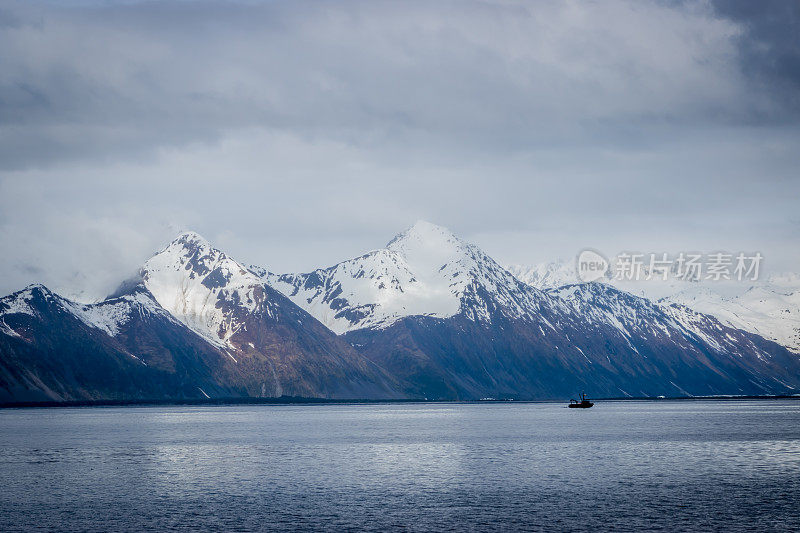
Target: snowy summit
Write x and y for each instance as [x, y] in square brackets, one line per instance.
[425, 270]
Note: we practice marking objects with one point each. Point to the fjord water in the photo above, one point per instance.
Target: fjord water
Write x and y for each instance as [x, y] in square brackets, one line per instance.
[671, 465]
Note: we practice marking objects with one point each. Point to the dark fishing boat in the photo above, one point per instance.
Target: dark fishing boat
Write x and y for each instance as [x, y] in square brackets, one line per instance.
[583, 404]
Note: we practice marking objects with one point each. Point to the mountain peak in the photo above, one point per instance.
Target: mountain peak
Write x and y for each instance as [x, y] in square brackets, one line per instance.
[191, 239]
[37, 286]
[188, 251]
[425, 270]
[423, 231]
[428, 250]
[203, 287]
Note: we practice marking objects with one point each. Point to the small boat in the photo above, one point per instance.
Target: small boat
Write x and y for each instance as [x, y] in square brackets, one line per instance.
[583, 404]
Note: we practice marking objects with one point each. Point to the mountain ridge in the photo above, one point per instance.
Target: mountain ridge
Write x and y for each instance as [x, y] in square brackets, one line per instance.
[425, 270]
[250, 340]
[768, 307]
[428, 316]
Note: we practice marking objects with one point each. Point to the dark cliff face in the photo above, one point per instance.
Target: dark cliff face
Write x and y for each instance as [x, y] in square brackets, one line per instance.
[49, 352]
[241, 338]
[271, 346]
[612, 344]
[196, 323]
[609, 344]
[288, 352]
[54, 355]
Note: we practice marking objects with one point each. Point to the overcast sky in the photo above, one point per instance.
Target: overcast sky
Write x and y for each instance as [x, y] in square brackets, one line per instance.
[299, 134]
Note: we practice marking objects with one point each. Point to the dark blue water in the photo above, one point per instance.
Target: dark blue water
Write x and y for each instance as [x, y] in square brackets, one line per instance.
[710, 465]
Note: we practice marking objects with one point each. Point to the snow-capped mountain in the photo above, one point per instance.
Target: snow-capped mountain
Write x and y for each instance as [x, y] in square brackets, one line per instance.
[285, 350]
[430, 315]
[769, 307]
[546, 275]
[639, 319]
[204, 288]
[109, 316]
[126, 347]
[424, 271]
[197, 323]
[441, 314]
[587, 336]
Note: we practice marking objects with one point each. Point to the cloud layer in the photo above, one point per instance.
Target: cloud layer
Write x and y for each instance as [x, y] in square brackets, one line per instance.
[297, 134]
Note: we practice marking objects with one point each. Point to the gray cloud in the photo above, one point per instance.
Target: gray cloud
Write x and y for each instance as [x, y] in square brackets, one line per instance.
[769, 48]
[298, 134]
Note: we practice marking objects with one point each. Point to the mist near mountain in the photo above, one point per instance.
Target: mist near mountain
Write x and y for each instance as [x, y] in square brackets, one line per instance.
[298, 135]
[430, 316]
[769, 306]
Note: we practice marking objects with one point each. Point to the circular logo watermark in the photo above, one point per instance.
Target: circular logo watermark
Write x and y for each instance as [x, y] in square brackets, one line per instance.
[591, 265]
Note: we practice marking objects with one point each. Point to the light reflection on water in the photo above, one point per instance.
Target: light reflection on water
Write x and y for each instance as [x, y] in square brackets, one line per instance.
[710, 465]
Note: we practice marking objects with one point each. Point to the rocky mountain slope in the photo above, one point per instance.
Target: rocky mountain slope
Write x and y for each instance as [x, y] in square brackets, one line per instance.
[424, 271]
[278, 348]
[242, 338]
[442, 315]
[769, 307]
[126, 347]
[428, 316]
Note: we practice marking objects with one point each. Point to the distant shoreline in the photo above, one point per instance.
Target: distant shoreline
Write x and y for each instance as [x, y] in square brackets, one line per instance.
[289, 400]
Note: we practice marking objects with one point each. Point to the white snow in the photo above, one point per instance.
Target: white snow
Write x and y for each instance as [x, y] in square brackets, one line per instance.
[546, 275]
[19, 302]
[176, 275]
[769, 307]
[106, 316]
[425, 270]
[110, 314]
[5, 328]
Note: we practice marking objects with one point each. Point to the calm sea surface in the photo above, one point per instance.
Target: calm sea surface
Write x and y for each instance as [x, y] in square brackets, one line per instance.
[700, 466]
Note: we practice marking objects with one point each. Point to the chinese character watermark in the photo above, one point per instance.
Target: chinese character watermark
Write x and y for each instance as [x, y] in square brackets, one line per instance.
[591, 265]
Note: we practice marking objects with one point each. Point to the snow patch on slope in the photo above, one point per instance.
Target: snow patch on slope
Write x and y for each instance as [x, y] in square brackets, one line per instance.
[546, 275]
[20, 302]
[770, 308]
[426, 270]
[112, 313]
[203, 288]
[107, 316]
[767, 309]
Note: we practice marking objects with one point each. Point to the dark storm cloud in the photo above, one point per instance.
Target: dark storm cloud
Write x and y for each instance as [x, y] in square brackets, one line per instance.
[300, 133]
[113, 79]
[769, 47]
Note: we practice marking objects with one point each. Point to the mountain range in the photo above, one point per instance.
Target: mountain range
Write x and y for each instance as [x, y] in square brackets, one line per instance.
[769, 307]
[428, 316]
